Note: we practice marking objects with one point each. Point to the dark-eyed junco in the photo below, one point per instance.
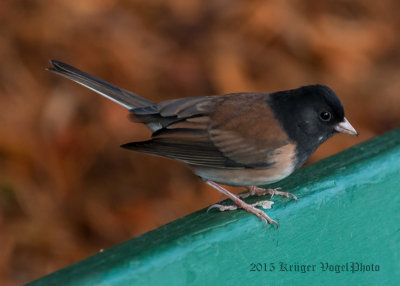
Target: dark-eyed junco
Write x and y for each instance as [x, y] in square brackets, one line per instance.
[240, 139]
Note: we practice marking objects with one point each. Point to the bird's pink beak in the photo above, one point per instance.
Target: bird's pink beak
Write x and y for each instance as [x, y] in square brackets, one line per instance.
[345, 127]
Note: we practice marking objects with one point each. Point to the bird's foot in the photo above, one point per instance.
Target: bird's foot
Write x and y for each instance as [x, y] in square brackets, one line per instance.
[254, 190]
[250, 208]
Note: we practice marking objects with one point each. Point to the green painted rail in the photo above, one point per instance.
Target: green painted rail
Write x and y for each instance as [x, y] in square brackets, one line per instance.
[345, 230]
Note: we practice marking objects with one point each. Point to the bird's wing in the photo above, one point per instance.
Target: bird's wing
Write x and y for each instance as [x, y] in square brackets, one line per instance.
[231, 131]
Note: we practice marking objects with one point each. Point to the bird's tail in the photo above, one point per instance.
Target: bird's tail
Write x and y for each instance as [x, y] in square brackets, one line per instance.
[121, 96]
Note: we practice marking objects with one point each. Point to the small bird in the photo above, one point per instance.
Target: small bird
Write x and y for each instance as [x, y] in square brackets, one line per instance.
[241, 139]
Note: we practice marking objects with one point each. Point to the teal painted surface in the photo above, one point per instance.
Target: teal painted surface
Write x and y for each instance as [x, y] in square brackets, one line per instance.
[348, 211]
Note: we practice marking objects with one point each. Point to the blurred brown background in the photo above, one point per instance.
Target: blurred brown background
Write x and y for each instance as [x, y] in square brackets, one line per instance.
[66, 188]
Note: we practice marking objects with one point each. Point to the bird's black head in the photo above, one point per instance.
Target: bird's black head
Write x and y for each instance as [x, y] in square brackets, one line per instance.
[310, 115]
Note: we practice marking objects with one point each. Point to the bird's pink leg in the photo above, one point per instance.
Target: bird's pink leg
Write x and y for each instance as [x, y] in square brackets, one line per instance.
[241, 204]
[254, 190]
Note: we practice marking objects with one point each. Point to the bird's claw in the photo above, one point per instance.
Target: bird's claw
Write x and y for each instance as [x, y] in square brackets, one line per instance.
[250, 208]
[253, 190]
[222, 208]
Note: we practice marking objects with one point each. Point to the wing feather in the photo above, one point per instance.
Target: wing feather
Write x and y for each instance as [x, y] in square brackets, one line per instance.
[231, 131]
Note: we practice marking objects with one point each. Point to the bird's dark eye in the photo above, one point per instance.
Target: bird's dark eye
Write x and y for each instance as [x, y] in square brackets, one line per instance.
[325, 115]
